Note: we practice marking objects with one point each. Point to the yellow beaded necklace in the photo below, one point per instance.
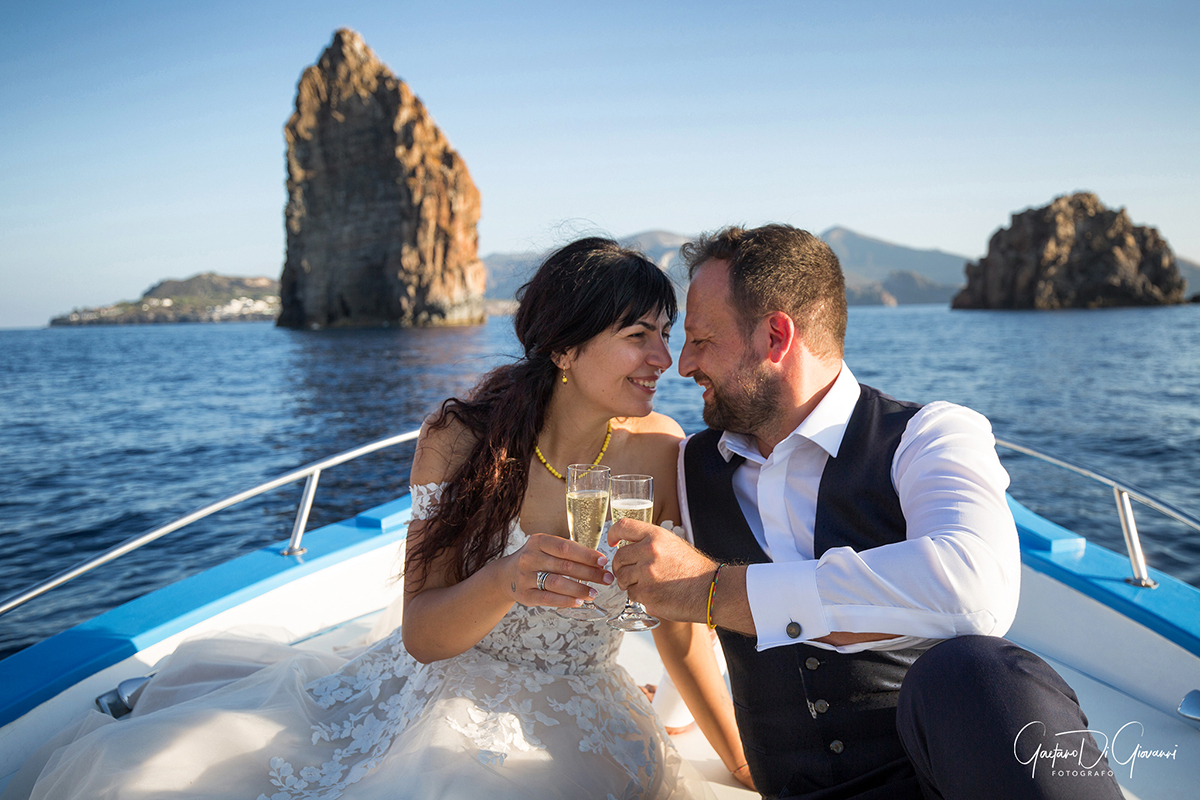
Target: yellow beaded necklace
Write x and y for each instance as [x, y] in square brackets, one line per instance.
[538, 452]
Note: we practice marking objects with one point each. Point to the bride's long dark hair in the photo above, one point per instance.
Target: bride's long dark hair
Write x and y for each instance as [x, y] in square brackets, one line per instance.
[580, 291]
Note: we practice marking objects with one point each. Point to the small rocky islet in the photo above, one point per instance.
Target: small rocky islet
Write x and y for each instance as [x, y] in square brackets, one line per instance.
[1073, 253]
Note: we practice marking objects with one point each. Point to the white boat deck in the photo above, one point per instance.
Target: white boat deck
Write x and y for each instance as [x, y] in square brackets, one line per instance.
[1129, 680]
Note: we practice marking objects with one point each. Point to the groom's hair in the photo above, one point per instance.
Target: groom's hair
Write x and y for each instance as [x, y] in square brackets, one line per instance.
[780, 268]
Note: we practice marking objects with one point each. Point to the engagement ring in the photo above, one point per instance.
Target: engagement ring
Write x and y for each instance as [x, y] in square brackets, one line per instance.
[541, 581]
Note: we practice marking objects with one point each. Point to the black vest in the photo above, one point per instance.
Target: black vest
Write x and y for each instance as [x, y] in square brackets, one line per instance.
[812, 718]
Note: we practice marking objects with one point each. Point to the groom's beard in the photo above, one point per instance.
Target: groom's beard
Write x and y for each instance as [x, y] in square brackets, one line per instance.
[746, 402]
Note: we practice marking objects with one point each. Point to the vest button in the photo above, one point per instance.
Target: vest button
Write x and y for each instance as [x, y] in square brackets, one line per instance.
[821, 706]
[793, 630]
[837, 746]
[811, 663]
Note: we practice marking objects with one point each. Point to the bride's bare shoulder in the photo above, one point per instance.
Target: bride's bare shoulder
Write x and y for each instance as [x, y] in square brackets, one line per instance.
[652, 423]
[655, 436]
[441, 450]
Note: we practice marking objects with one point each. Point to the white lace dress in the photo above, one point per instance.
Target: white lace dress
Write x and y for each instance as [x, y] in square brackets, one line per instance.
[538, 709]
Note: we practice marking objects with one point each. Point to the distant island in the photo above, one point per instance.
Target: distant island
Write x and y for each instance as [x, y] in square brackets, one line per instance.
[877, 272]
[207, 297]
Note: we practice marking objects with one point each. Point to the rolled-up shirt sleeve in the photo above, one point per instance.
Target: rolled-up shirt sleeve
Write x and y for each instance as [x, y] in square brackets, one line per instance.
[956, 573]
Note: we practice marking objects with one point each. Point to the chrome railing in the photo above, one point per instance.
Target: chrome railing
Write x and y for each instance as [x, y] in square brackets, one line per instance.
[1122, 494]
[312, 472]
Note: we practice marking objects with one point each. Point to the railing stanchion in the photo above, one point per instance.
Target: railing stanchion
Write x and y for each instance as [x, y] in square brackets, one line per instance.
[1132, 543]
[1123, 494]
[306, 501]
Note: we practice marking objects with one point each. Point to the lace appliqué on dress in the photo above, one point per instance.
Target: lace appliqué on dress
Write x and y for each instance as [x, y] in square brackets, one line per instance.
[384, 690]
[425, 499]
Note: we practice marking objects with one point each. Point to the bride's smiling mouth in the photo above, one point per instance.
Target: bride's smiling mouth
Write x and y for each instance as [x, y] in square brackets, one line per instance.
[647, 384]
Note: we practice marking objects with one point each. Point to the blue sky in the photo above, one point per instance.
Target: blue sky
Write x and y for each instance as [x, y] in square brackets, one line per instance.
[142, 141]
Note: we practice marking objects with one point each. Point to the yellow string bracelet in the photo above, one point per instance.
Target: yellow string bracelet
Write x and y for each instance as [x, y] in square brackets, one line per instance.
[712, 588]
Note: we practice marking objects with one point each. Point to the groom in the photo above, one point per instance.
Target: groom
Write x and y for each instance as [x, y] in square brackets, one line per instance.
[856, 553]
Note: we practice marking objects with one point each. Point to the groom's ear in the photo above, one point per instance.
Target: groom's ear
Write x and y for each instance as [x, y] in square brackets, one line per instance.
[781, 335]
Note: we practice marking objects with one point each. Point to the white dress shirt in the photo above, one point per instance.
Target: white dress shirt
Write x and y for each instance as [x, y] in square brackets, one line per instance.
[958, 571]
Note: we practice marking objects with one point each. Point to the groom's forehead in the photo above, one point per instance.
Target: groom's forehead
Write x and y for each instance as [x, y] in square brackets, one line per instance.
[708, 295]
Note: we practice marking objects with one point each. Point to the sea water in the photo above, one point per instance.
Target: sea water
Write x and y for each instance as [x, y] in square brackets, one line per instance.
[106, 432]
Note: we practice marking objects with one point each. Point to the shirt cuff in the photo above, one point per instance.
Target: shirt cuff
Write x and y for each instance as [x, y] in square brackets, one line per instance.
[784, 603]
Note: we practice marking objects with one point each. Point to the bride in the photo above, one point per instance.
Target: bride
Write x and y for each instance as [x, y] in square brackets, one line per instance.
[483, 691]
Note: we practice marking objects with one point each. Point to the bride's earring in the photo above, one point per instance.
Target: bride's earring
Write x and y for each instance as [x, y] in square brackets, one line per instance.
[564, 376]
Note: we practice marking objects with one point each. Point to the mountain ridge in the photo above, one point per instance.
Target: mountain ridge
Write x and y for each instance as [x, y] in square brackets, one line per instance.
[875, 259]
[877, 272]
[1190, 270]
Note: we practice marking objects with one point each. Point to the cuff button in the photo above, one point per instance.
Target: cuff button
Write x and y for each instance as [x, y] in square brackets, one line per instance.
[793, 630]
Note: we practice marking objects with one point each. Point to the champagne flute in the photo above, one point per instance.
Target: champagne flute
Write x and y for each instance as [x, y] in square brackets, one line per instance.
[633, 497]
[587, 508]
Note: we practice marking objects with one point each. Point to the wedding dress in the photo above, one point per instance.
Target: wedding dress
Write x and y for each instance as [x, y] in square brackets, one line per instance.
[538, 709]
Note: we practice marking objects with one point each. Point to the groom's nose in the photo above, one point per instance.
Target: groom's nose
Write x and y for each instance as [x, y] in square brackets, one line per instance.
[687, 360]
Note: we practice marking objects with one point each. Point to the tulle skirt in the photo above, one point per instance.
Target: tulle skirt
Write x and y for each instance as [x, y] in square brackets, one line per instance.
[241, 718]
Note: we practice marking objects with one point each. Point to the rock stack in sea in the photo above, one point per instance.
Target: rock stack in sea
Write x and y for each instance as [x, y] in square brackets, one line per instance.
[1074, 253]
[381, 215]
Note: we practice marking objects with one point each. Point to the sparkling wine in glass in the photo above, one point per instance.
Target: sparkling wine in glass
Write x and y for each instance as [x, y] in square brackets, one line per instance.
[587, 508]
[633, 497]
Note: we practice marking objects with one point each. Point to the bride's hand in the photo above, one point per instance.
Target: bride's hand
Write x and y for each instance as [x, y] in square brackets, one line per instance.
[565, 563]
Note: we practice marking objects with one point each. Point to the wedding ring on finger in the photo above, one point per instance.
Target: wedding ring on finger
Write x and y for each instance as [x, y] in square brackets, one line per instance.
[541, 580]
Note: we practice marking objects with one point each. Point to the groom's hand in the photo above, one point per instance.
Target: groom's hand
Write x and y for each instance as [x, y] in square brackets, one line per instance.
[661, 571]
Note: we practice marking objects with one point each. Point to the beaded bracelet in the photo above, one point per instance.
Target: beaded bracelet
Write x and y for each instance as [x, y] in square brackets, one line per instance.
[712, 588]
